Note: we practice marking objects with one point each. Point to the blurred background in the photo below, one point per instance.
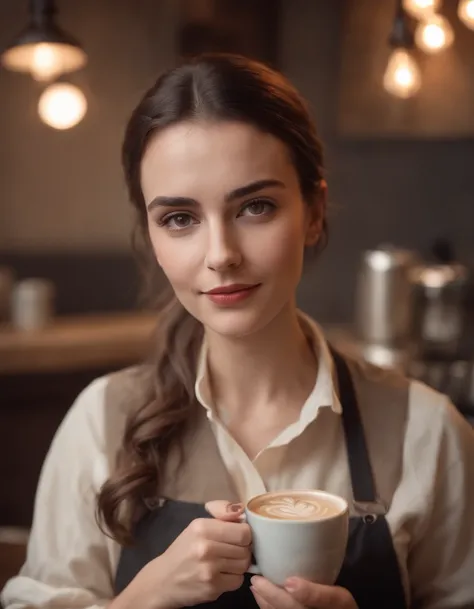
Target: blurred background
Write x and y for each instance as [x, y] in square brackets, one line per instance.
[391, 86]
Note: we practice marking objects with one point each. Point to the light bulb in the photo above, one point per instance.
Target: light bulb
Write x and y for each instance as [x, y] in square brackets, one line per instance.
[402, 76]
[62, 106]
[421, 8]
[434, 34]
[46, 62]
[466, 13]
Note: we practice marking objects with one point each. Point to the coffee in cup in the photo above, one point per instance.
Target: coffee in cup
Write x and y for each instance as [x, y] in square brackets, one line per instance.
[299, 505]
[298, 533]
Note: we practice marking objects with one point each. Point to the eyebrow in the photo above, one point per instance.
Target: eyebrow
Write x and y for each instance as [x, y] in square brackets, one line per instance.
[238, 193]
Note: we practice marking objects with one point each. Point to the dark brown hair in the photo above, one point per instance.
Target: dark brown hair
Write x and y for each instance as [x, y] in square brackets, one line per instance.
[210, 87]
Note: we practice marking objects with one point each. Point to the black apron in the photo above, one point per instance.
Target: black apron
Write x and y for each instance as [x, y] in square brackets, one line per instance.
[370, 570]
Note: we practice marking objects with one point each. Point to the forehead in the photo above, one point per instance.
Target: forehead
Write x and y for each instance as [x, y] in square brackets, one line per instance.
[190, 157]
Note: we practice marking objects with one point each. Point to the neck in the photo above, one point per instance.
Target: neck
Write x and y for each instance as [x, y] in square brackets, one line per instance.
[274, 365]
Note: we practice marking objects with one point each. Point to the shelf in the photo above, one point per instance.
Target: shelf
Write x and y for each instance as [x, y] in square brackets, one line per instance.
[75, 343]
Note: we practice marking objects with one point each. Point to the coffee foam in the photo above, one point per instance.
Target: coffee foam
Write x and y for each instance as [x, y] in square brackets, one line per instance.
[302, 506]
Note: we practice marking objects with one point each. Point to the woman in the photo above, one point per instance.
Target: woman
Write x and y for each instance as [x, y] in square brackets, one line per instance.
[226, 174]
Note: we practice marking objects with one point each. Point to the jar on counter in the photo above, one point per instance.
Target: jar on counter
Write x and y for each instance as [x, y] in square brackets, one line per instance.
[441, 292]
[384, 297]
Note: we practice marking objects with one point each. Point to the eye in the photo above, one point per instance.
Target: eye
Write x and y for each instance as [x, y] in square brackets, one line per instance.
[178, 221]
[258, 207]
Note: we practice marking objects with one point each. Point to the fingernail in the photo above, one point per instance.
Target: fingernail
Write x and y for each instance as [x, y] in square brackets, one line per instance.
[235, 507]
[291, 585]
[253, 580]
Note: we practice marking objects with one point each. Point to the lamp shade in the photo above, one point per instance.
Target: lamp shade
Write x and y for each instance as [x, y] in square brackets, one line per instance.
[43, 48]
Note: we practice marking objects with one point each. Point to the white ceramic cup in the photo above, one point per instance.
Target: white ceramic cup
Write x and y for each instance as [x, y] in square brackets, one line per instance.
[312, 549]
[32, 305]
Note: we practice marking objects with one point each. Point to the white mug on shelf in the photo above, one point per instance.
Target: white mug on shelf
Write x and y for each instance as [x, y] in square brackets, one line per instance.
[32, 305]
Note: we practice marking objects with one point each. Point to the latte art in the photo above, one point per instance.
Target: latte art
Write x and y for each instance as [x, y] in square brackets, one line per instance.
[294, 506]
[289, 507]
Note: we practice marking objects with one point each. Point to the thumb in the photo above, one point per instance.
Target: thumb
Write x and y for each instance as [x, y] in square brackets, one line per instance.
[224, 510]
[318, 595]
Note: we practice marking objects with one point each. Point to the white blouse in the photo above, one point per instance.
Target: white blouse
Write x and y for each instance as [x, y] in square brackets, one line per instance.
[71, 564]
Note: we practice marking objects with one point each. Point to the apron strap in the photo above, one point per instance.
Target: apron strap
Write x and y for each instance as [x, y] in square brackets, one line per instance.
[363, 486]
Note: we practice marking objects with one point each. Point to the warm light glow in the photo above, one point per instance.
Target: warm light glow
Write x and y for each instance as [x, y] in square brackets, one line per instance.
[402, 76]
[421, 8]
[434, 34]
[466, 13]
[44, 60]
[62, 106]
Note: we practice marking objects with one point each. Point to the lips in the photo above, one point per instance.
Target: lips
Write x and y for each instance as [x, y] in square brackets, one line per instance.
[231, 295]
[231, 289]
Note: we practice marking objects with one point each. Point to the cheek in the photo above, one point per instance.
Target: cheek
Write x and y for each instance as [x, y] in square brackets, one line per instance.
[166, 253]
[177, 256]
[282, 249]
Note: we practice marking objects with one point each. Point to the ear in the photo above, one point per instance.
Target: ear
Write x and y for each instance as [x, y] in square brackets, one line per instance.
[315, 215]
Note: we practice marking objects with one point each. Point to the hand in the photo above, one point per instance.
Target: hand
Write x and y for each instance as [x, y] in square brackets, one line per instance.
[299, 593]
[209, 558]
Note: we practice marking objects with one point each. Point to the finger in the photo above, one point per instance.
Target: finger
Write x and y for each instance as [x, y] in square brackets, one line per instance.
[224, 510]
[261, 602]
[234, 567]
[274, 595]
[317, 595]
[217, 549]
[234, 533]
[229, 583]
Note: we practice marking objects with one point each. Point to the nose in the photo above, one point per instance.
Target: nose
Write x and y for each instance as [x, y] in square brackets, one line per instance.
[223, 251]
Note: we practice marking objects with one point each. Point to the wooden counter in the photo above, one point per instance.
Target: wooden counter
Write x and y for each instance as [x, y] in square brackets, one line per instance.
[87, 342]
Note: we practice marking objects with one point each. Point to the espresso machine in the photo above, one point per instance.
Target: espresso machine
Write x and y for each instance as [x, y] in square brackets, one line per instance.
[418, 316]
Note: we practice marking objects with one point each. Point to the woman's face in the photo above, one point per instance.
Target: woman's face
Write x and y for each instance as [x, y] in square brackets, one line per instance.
[225, 213]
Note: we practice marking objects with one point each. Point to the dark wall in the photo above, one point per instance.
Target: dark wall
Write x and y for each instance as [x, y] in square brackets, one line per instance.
[407, 191]
[64, 212]
[64, 191]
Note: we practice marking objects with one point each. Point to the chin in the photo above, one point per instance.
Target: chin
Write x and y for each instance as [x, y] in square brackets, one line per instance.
[237, 323]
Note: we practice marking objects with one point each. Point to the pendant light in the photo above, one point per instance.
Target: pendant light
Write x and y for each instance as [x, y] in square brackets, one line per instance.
[434, 34]
[62, 105]
[421, 8]
[466, 13]
[402, 76]
[43, 49]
